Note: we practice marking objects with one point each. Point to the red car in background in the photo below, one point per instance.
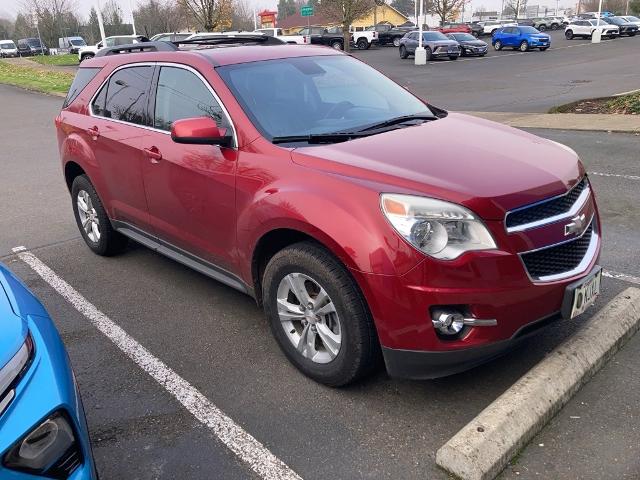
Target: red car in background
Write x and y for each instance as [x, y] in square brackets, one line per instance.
[366, 222]
[454, 28]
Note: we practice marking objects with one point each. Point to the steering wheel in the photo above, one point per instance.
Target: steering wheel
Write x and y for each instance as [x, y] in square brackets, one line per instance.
[341, 107]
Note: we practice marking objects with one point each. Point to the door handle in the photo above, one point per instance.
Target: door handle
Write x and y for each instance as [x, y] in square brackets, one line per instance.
[153, 154]
[93, 132]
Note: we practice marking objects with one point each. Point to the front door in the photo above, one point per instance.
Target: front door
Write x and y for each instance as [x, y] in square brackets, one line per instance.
[190, 188]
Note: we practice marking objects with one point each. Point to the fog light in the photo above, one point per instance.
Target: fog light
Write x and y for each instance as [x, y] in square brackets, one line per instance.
[50, 449]
[448, 323]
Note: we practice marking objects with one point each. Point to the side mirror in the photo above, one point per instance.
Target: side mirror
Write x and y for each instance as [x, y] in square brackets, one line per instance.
[199, 131]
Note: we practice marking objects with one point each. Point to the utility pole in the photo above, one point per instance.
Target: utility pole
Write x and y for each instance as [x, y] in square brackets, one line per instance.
[597, 34]
[421, 54]
[100, 22]
[35, 17]
[133, 20]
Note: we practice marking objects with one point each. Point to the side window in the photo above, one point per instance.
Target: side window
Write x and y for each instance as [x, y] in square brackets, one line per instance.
[181, 94]
[124, 97]
[110, 42]
[268, 33]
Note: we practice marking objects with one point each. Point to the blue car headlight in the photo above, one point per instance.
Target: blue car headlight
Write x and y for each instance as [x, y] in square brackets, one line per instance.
[50, 449]
[13, 370]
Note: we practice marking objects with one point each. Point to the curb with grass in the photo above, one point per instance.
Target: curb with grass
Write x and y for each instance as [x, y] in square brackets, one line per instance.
[481, 449]
[36, 79]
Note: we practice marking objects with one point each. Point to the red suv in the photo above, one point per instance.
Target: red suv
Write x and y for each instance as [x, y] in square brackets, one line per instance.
[368, 224]
[454, 28]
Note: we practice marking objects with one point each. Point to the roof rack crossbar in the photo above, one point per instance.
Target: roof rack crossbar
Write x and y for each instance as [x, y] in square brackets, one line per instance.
[228, 39]
[137, 48]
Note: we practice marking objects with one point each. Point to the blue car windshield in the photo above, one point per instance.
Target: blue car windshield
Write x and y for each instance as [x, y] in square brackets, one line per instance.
[316, 95]
[434, 36]
[528, 30]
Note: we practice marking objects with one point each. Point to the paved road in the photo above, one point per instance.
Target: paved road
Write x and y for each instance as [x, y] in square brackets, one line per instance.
[509, 81]
[218, 341]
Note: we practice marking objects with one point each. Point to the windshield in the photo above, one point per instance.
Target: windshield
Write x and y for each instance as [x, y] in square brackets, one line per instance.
[77, 43]
[633, 19]
[528, 30]
[464, 37]
[33, 42]
[8, 46]
[434, 36]
[316, 95]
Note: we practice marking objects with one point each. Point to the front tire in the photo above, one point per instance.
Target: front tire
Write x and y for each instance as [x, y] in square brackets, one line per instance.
[87, 56]
[336, 45]
[453, 57]
[524, 46]
[396, 42]
[92, 219]
[318, 315]
[403, 52]
[429, 53]
[542, 49]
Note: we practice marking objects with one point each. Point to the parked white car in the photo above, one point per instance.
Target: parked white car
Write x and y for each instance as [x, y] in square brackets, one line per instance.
[8, 49]
[277, 33]
[90, 51]
[585, 29]
[489, 27]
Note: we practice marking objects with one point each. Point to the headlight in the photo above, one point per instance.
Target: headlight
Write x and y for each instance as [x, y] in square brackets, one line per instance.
[10, 373]
[440, 229]
[49, 450]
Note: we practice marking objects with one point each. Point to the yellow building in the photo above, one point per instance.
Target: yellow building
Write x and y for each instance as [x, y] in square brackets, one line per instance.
[380, 14]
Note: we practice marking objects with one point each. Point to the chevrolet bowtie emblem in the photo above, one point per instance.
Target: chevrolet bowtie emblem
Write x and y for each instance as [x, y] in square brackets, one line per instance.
[576, 226]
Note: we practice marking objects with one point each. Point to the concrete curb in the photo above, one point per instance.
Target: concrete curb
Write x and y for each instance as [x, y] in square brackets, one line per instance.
[565, 121]
[481, 449]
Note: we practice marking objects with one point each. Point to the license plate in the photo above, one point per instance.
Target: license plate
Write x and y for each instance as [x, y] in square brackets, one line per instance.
[584, 295]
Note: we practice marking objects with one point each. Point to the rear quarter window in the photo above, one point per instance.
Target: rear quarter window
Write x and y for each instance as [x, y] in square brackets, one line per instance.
[82, 79]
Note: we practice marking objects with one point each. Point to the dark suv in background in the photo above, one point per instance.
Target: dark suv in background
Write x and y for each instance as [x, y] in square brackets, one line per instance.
[31, 46]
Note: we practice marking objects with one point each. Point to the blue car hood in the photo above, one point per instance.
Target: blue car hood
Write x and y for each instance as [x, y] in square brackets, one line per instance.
[13, 329]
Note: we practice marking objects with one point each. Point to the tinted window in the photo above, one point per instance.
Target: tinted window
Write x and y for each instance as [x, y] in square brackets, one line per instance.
[528, 30]
[181, 94]
[83, 77]
[125, 96]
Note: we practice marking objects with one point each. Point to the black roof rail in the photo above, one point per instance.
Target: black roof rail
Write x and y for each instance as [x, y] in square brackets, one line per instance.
[231, 39]
[138, 48]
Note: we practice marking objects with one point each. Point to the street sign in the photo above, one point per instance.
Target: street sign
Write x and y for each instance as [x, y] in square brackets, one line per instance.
[306, 11]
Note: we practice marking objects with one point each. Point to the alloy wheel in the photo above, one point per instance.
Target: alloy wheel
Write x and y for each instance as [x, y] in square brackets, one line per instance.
[309, 318]
[88, 216]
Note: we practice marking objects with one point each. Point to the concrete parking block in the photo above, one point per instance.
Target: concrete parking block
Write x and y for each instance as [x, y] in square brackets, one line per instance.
[481, 449]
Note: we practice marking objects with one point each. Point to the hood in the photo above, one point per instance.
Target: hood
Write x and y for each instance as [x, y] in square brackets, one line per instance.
[440, 43]
[488, 167]
[13, 330]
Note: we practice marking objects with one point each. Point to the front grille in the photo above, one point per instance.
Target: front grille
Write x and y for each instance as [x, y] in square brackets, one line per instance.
[66, 464]
[547, 208]
[558, 259]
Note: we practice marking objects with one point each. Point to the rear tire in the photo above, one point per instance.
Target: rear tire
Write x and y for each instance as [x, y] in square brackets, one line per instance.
[396, 42]
[362, 44]
[337, 45]
[86, 56]
[403, 52]
[429, 53]
[93, 221]
[568, 35]
[542, 49]
[349, 332]
[542, 28]
[497, 45]
[524, 46]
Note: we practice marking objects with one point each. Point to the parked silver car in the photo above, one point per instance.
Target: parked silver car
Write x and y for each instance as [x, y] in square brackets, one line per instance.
[436, 44]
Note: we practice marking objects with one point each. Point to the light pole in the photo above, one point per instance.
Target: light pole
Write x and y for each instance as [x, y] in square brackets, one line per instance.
[421, 53]
[597, 33]
[100, 22]
[133, 20]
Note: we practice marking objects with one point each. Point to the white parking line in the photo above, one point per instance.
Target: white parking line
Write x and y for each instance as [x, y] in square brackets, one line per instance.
[618, 175]
[241, 443]
[621, 276]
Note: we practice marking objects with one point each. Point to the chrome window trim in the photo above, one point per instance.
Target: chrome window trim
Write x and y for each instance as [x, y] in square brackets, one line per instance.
[582, 267]
[580, 202]
[163, 64]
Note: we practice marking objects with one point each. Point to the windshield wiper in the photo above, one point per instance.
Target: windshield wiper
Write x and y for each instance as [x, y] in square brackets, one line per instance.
[320, 137]
[399, 120]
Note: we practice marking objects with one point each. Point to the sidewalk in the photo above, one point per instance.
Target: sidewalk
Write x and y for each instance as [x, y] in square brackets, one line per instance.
[565, 121]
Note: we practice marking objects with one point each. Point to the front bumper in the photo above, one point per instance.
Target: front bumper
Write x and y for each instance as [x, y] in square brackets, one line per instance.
[475, 50]
[49, 372]
[534, 42]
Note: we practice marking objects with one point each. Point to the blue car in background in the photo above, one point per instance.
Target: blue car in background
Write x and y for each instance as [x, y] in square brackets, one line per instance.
[521, 38]
[43, 432]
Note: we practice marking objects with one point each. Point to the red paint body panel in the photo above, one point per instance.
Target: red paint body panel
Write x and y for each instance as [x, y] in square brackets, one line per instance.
[217, 203]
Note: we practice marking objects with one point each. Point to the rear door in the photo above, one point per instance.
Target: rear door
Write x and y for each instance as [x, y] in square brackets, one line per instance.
[190, 188]
[114, 130]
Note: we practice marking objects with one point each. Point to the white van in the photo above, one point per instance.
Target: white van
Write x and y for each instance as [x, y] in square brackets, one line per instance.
[8, 49]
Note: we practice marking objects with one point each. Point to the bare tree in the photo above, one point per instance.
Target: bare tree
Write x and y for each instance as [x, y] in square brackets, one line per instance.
[159, 16]
[447, 10]
[514, 7]
[346, 12]
[205, 12]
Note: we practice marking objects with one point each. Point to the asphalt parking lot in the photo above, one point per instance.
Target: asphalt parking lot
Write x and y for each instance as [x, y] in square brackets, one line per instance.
[217, 340]
[511, 81]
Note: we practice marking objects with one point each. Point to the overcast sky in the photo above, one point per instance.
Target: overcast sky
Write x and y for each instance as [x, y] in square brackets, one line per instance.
[9, 8]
